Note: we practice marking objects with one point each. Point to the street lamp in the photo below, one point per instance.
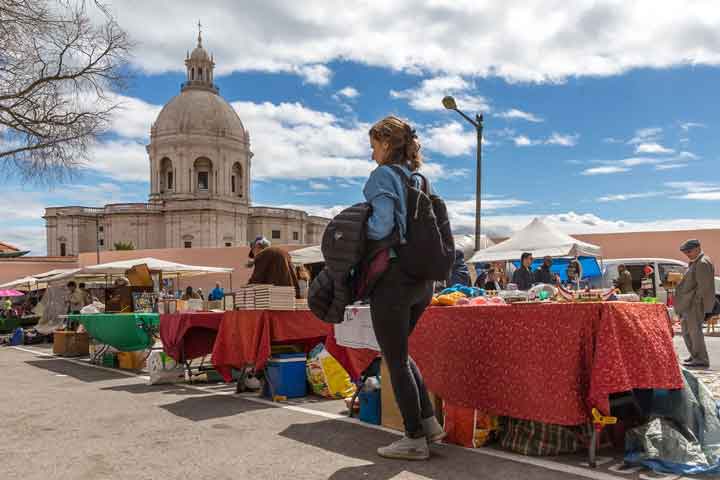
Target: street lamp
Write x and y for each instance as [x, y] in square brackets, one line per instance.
[449, 103]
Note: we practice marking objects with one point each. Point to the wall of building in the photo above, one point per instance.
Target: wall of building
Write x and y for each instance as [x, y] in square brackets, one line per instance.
[654, 244]
[14, 268]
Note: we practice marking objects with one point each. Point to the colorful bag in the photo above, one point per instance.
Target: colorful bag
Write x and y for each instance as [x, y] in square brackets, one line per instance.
[468, 427]
[326, 376]
[528, 437]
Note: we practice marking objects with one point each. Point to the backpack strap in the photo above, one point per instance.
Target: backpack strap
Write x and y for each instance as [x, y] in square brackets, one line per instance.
[409, 179]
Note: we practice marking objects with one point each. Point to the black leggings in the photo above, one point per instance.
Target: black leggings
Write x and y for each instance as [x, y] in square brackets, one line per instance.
[396, 303]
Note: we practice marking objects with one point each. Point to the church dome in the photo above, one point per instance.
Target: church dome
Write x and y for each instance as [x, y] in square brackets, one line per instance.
[199, 111]
[200, 54]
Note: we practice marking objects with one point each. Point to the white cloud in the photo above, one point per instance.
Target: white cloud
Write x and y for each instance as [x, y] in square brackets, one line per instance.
[554, 139]
[604, 170]
[429, 94]
[450, 139]
[134, 117]
[688, 125]
[627, 196]
[687, 156]
[314, 74]
[27, 237]
[348, 92]
[514, 113]
[692, 190]
[516, 39]
[318, 186]
[523, 141]
[653, 148]
[671, 166]
[124, 160]
[645, 135]
[562, 140]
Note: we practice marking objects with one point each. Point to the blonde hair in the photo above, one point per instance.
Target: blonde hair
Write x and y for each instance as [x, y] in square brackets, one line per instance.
[403, 141]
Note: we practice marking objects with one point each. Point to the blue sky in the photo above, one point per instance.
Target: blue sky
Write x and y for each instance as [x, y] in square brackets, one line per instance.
[598, 119]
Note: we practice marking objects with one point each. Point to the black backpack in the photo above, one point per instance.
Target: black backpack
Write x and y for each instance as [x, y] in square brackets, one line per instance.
[429, 249]
[344, 241]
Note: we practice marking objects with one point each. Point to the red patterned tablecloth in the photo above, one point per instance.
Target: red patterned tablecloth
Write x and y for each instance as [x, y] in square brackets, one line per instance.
[189, 335]
[544, 362]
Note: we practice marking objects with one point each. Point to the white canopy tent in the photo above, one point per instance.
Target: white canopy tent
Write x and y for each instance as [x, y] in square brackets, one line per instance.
[313, 254]
[539, 239]
[37, 281]
[154, 265]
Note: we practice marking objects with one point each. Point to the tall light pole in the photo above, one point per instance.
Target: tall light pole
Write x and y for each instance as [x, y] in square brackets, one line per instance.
[449, 103]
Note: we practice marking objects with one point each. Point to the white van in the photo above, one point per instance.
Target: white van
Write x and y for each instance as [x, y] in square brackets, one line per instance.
[661, 266]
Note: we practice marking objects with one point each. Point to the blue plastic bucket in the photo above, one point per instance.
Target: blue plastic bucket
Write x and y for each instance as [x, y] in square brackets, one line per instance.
[286, 375]
[370, 407]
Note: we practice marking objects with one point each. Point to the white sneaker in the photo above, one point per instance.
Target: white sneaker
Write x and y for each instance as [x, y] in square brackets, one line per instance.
[406, 449]
[434, 432]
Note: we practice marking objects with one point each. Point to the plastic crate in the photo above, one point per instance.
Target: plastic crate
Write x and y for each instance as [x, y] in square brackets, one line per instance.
[286, 375]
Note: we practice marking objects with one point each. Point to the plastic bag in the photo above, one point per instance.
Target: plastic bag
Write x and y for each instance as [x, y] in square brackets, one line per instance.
[326, 376]
[95, 307]
[163, 369]
[468, 426]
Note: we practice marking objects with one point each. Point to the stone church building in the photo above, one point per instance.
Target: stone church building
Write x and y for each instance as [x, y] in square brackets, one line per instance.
[200, 174]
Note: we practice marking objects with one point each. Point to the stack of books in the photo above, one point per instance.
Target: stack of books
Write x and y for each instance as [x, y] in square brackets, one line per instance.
[301, 304]
[245, 298]
[282, 298]
[263, 295]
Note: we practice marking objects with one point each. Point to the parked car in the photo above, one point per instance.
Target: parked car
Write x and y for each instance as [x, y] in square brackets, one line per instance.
[661, 266]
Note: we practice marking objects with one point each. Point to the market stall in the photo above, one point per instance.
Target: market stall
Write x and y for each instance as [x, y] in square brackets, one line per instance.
[539, 239]
[189, 335]
[245, 337]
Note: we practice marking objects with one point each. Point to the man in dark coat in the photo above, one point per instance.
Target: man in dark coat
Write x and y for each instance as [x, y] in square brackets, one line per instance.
[543, 274]
[523, 276]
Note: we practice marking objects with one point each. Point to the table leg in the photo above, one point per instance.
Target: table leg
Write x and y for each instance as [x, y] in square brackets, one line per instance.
[592, 449]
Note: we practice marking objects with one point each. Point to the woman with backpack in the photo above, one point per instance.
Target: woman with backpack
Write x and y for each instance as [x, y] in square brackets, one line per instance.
[397, 300]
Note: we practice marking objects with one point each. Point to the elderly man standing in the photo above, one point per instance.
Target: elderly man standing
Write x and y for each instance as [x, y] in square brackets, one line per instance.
[695, 296]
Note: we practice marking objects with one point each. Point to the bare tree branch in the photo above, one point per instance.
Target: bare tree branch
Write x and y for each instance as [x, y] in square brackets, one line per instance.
[58, 73]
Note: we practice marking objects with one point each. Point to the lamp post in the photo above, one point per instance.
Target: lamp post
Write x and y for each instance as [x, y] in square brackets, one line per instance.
[449, 103]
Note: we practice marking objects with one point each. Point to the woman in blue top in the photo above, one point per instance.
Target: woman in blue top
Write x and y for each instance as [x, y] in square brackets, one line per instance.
[398, 301]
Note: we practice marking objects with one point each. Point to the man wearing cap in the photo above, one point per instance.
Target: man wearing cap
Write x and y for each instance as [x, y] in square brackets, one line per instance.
[695, 297]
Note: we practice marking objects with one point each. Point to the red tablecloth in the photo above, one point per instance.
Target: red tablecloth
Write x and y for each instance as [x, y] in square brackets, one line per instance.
[544, 362]
[189, 335]
[245, 338]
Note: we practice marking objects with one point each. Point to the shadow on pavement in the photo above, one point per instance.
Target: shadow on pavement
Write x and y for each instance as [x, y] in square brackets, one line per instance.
[142, 388]
[79, 372]
[446, 462]
[211, 406]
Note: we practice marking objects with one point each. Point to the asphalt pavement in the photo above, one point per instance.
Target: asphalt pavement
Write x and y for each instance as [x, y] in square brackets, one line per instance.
[66, 419]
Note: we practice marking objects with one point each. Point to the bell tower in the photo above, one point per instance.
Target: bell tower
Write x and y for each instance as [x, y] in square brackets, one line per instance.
[200, 67]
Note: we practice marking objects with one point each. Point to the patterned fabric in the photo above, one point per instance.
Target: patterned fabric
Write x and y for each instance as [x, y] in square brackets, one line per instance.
[546, 362]
[542, 439]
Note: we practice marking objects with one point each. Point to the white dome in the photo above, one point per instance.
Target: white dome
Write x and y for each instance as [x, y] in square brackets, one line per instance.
[199, 111]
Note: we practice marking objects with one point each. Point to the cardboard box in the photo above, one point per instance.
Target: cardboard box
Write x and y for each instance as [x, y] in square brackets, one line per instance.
[391, 416]
[131, 360]
[71, 344]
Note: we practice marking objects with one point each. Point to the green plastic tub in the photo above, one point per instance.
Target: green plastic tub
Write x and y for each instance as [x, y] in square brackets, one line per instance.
[126, 332]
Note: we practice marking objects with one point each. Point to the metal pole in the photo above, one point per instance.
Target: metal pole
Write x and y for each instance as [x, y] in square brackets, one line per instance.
[478, 182]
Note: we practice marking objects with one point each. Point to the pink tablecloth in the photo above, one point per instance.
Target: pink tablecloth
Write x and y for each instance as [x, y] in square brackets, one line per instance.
[546, 362]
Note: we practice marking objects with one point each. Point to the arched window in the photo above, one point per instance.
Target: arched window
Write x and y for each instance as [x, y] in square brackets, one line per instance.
[203, 174]
[192, 74]
[236, 180]
[200, 77]
[167, 177]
